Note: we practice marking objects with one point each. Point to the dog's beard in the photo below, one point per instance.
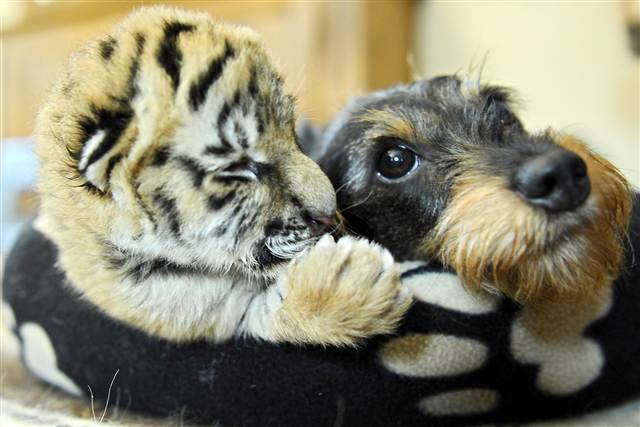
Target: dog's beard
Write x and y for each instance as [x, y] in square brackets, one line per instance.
[494, 240]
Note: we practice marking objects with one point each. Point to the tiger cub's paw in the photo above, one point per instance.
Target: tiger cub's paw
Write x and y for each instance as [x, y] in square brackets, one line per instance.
[339, 293]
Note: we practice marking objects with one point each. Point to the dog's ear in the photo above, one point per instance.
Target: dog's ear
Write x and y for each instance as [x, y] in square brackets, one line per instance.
[499, 116]
[310, 139]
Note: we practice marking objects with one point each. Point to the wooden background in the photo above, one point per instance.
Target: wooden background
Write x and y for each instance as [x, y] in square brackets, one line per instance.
[328, 51]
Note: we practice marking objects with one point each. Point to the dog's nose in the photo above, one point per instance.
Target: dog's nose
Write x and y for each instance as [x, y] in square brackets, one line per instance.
[556, 181]
[318, 223]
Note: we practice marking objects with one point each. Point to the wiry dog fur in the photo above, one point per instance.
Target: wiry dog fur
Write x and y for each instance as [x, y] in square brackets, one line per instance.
[173, 185]
[458, 203]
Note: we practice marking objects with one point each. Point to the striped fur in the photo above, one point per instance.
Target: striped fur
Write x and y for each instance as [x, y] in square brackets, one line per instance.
[173, 185]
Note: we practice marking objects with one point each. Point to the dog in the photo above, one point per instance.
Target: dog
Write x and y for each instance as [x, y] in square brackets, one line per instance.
[443, 169]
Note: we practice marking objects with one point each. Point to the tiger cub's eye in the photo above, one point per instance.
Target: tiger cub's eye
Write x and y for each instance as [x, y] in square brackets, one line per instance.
[397, 162]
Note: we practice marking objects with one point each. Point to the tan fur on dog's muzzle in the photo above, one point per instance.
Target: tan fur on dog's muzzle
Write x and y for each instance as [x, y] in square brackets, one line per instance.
[493, 239]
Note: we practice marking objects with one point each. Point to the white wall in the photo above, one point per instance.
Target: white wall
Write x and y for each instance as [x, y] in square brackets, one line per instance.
[570, 62]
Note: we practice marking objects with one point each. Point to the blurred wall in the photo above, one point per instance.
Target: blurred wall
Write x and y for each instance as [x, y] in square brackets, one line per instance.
[571, 63]
[327, 51]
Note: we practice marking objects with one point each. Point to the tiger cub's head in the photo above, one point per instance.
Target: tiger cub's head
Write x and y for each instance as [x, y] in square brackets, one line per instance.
[172, 138]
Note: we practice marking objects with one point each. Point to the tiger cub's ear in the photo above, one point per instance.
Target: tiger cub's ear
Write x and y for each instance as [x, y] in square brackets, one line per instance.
[310, 139]
[99, 155]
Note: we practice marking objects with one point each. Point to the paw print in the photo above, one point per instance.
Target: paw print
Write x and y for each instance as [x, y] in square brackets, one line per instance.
[551, 336]
[40, 357]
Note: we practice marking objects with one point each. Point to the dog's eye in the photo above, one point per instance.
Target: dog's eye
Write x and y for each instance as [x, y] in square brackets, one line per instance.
[397, 161]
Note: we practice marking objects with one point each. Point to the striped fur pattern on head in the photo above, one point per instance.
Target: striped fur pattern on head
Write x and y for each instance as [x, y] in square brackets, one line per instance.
[172, 181]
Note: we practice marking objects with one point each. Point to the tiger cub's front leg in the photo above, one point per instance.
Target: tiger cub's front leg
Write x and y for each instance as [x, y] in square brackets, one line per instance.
[335, 294]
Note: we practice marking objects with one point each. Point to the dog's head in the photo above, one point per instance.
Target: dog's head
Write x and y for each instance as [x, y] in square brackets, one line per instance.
[444, 169]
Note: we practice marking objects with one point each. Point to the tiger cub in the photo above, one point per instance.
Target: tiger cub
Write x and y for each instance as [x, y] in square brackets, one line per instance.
[174, 188]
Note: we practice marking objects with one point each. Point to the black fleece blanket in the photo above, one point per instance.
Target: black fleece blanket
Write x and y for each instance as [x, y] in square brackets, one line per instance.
[459, 358]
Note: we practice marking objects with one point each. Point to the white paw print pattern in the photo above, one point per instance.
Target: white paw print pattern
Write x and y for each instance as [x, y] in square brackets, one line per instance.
[442, 355]
[548, 335]
[436, 355]
[460, 402]
[40, 357]
[551, 336]
[446, 290]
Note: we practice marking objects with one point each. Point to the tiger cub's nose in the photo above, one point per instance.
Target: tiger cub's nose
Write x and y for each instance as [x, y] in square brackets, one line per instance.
[319, 222]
